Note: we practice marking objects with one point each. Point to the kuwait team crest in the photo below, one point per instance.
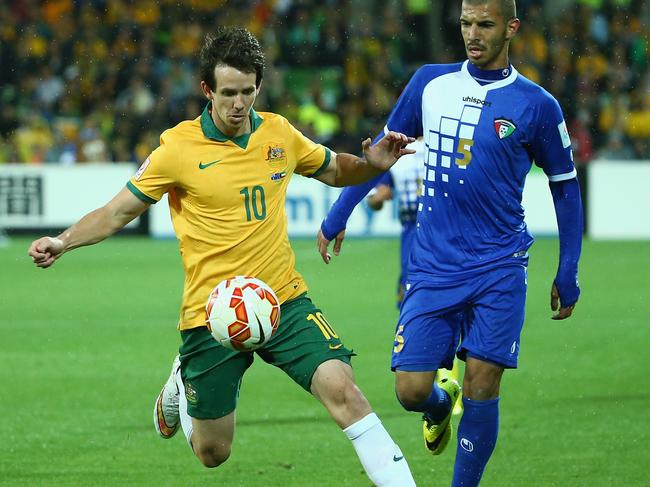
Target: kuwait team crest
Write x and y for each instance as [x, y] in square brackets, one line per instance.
[504, 128]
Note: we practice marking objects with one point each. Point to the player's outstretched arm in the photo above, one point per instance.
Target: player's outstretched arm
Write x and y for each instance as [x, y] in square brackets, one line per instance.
[337, 217]
[348, 169]
[340, 212]
[90, 229]
[565, 290]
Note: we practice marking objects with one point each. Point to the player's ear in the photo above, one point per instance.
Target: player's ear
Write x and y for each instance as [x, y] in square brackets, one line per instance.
[512, 27]
[206, 90]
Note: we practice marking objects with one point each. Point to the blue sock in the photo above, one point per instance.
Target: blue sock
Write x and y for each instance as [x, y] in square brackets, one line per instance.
[477, 435]
[436, 407]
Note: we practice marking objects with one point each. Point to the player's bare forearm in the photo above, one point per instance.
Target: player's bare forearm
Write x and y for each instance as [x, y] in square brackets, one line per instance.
[90, 229]
[103, 222]
[352, 170]
[349, 170]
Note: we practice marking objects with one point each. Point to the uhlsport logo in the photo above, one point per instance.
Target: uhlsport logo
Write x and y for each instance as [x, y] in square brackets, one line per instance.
[478, 101]
[504, 127]
[466, 445]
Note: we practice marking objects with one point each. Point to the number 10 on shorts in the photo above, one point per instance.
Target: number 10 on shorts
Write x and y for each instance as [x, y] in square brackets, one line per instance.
[323, 324]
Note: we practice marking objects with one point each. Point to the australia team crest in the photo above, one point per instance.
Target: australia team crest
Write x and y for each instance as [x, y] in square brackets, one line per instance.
[504, 127]
[276, 157]
[274, 154]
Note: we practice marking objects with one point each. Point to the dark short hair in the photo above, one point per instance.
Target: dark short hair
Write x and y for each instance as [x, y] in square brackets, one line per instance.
[231, 46]
[508, 8]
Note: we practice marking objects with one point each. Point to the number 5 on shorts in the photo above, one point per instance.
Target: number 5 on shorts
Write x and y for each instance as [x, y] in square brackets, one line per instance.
[323, 324]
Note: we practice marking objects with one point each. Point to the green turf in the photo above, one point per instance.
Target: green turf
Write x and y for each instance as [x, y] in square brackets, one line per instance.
[86, 346]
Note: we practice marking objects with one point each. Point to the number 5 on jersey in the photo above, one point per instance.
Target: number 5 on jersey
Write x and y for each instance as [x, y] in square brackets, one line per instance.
[464, 148]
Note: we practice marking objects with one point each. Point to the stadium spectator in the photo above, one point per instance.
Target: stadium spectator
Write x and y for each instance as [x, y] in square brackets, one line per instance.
[96, 48]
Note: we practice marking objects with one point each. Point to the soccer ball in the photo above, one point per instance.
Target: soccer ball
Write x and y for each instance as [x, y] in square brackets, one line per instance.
[242, 313]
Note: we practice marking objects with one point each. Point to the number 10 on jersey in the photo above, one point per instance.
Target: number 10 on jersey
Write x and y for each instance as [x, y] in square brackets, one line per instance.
[254, 202]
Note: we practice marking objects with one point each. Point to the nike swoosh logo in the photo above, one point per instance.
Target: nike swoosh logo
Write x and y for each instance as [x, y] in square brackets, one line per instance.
[336, 347]
[397, 459]
[203, 166]
[262, 336]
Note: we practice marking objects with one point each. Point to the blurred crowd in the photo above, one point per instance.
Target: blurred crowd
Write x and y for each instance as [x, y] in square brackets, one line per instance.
[594, 59]
[99, 80]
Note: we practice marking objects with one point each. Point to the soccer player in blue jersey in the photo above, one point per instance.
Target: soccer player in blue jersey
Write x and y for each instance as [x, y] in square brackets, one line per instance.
[483, 126]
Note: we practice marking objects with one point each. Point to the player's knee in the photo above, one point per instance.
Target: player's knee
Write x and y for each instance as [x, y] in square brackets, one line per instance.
[212, 455]
[413, 389]
[411, 397]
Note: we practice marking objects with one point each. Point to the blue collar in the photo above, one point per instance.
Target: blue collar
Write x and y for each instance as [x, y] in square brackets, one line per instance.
[487, 76]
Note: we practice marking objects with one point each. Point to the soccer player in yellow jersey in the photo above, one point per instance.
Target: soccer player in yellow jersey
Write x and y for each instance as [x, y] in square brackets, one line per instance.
[226, 175]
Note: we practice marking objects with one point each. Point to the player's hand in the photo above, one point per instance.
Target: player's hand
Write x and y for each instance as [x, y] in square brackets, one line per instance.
[322, 243]
[564, 311]
[385, 153]
[45, 251]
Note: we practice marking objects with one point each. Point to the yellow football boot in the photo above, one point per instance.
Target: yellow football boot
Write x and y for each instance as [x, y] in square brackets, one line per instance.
[452, 374]
[436, 435]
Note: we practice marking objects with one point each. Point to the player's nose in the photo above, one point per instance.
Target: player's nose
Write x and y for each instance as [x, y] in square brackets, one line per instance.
[239, 101]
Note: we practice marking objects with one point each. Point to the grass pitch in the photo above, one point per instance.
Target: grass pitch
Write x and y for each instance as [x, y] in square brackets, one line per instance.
[86, 345]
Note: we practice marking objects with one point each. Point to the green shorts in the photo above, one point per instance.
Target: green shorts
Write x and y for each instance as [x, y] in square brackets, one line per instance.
[212, 374]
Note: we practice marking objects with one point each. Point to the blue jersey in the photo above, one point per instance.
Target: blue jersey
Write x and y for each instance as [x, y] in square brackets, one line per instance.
[481, 136]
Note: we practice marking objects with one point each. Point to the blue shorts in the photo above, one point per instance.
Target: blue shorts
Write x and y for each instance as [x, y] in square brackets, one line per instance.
[484, 314]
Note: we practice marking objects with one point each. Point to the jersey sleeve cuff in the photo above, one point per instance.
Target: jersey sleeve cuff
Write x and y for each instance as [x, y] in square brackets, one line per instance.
[563, 177]
[326, 162]
[140, 195]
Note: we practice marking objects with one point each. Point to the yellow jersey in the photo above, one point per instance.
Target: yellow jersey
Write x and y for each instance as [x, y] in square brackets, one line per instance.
[227, 202]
